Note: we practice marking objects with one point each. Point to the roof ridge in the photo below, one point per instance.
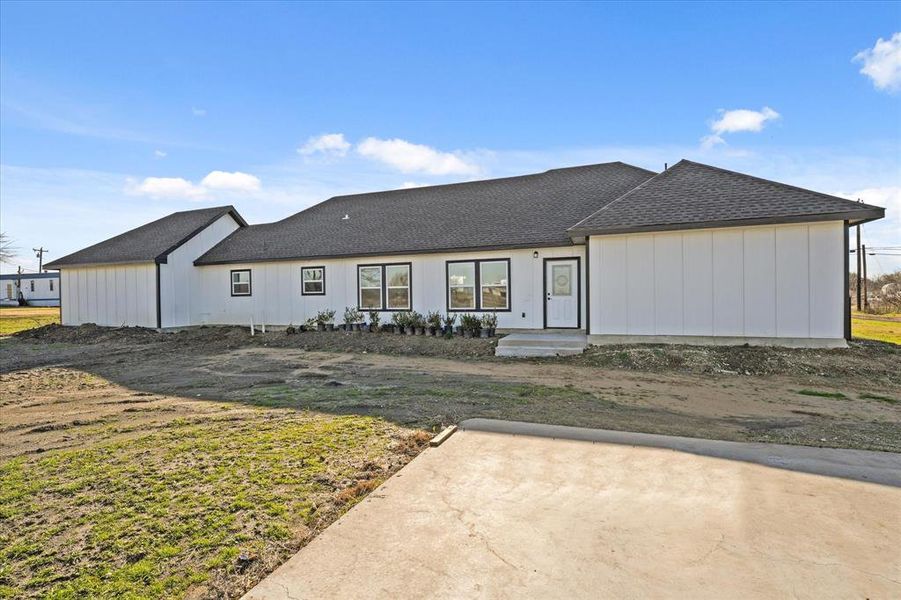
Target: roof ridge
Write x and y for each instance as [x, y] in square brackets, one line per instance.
[623, 196]
[456, 183]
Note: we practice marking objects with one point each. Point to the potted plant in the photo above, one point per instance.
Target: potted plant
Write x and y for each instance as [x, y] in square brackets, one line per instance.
[433, 320]
[471, 325]
[325, 320]
[489, 324]
[413, 324]
[374, 319]
[397, 321]
[449, 321]
[309, 325]
[352, 318]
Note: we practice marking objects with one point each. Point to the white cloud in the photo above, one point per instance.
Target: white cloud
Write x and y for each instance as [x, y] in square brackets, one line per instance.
[166, 187]
[882, 63]
[328, 143]
[181, 188]
[412, 184]
[734, 121]
[235, 181]
[742, 119]
[160, 154]
[408, 157]
[198, 112]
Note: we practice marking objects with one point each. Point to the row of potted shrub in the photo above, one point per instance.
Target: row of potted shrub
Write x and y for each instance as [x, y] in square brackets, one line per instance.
[404, 322]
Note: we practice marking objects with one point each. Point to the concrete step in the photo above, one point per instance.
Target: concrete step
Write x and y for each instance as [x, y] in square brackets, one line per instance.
[526, 351]
[541, 344]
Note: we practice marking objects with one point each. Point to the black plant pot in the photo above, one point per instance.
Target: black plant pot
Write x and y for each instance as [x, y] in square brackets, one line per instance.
[320, 326]
[467, 333]
[329, 326]
[484, 332]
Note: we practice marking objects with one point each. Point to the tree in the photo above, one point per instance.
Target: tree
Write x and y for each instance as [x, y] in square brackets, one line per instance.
[7, 249]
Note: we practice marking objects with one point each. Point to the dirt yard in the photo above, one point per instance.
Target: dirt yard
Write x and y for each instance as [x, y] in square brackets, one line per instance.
[193, 463]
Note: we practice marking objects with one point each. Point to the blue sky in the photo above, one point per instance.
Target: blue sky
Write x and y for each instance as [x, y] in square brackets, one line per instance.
[114, 114]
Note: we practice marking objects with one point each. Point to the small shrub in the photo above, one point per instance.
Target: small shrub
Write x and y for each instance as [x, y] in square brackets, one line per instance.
[352, 315]
[374, 319]
[489, 321]
[434, 319]
[415, 319]
[471, 323]
[324, 317]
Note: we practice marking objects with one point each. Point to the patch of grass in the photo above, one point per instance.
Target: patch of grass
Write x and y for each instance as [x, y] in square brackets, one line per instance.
[821, 394]
[869, 396]
[14, 319]
[883, 331]
[152, 516]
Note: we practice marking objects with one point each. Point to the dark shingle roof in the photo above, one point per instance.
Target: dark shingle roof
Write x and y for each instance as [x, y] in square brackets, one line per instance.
[150, 242]
[692, 195]
[525, 211]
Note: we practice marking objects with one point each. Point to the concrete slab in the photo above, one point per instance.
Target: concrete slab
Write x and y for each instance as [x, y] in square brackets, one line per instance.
[862, 465]
[541, 344]
[491, 515]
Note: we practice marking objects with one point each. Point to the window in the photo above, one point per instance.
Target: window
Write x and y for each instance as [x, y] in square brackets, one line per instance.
[32, 285]
[9, 291]
[51, 285]
[384, 287]
[478, 285]
[241, 282]
[312, 281]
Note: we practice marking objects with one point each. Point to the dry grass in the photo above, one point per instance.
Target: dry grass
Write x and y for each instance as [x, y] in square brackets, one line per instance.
[149, 496]
[871, 329]
[15, 319]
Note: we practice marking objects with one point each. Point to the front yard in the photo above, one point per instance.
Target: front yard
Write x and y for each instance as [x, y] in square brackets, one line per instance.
[139, 464]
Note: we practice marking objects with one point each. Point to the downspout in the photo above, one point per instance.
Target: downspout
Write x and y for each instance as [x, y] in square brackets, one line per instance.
[159, 308]
[587, 285]
[847, 285]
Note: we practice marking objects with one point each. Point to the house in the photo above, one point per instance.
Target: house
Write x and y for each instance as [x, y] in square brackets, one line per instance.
[695, 254]
[38, 289]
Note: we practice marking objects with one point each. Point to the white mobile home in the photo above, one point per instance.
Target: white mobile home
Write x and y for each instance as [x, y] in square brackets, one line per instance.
[36, 289]
[695, 254]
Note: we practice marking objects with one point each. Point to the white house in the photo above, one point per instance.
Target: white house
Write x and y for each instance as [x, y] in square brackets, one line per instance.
[694, 254]
[38, 289]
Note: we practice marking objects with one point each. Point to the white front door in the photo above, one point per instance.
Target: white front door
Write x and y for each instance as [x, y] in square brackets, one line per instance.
[561, 291]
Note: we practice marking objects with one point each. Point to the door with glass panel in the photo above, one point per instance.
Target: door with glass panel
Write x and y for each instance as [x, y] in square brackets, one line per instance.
[561, 293]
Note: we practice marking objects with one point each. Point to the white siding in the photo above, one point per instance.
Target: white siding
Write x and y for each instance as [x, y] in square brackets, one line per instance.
[110, 295]
[179, 283]
[276, 297]
[783, 281]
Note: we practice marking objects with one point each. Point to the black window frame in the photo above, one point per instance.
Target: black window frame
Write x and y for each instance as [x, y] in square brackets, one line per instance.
[231, 282]
[384, 306]
[303, 291]
[478, 285]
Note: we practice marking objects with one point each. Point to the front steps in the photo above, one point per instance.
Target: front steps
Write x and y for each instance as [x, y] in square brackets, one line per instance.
[541, 344]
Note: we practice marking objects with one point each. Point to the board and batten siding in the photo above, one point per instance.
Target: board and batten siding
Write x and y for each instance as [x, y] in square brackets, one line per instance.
[180, 292]
[276, 290]
[113, 295]
[782, 281]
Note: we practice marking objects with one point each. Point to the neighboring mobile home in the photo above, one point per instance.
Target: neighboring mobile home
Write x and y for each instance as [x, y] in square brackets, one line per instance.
[695, 254]
[38, 289]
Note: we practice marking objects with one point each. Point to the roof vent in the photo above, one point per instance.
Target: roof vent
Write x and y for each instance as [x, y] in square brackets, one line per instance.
[346, 217]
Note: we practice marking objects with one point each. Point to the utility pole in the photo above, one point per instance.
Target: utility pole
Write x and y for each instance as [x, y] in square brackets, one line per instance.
[39, 252]
[866, 303]
[19, 297]
[858, 267]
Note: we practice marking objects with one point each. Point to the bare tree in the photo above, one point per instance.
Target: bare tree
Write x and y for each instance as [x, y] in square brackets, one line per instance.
[7, 250]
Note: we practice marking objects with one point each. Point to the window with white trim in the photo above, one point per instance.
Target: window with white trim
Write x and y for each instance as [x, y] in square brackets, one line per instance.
[481, 285]
[384, 287]
[312, 281]
[240, 282]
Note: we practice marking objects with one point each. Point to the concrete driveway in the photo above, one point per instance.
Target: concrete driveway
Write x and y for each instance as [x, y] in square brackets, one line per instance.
[495, 515]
